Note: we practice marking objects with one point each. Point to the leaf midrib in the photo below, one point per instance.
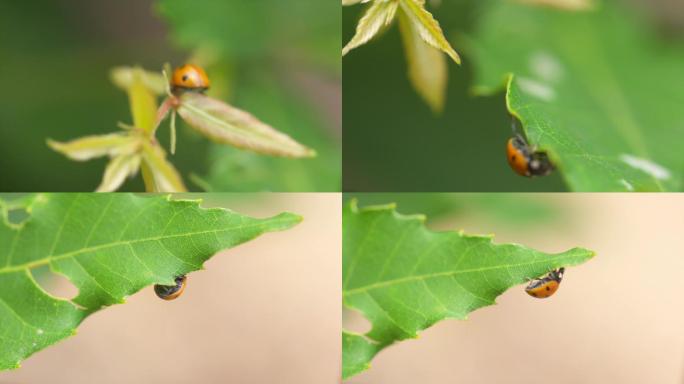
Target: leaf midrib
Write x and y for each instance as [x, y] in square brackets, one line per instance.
[52, 258]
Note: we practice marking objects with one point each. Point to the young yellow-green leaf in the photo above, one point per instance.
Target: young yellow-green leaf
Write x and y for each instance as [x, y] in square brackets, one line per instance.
[118, 169]
[143, 103]
[164, 177]
[90, 147]
[427, 27]
[379, 14]
[228, 125]
[125, 77]
[596, 90]
[404, 278]
[109, 246]
[352, 2]
[427, 66]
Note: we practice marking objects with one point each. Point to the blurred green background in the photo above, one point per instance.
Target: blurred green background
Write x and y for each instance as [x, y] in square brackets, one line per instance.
[278, 61]
[393, 142]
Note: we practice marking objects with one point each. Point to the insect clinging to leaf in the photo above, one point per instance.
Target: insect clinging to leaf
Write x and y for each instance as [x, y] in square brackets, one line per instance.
[171, 292]
[525, 159]
[189, 77]
[546, 286]
[221, 122]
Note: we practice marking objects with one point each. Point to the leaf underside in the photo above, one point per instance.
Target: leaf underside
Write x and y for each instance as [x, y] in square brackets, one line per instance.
[109, 246]
[404, 278]
[226, 124]
[597, 90]
[427, 66]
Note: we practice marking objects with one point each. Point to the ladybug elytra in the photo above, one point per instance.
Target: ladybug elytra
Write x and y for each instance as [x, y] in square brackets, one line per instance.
[190, 77]
[545, 286]
[524, 160]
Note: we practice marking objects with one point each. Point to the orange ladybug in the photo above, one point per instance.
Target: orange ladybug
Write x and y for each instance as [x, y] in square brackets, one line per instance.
[189, 77]
[546, 286]
[171, 292]
[524, 160]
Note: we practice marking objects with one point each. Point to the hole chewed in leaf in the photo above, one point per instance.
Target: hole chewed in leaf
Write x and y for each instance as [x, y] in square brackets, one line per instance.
[17, 216]
[55, 284]
[354, 321]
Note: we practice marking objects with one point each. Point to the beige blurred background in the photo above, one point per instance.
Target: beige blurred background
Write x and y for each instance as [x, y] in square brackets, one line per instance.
[619, 318]
[267, 311]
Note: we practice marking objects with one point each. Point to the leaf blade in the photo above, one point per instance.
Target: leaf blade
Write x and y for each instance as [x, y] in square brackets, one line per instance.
[404, 278]
[164, 177]
[428, 27]
[229, 125]
[380, 14]
[426, 65]
[110, 246]
[90, 147]
[578, 97]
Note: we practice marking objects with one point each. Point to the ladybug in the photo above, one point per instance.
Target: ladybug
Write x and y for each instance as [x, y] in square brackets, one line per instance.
[526, 161]
[189, 77]
[171, 292]
[546, 286]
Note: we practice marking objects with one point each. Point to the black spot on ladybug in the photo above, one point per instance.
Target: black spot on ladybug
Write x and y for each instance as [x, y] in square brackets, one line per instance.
[185, 77]
[548, 288]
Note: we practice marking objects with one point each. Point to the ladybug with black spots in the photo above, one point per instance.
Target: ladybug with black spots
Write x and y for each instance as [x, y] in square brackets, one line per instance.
[545, 286]
[526, 161]
[189, 77]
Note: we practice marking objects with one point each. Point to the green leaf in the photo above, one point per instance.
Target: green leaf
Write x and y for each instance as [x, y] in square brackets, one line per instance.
[358, 352]
[109, 246]
[596, 90]
[404, 278]
[226, 124]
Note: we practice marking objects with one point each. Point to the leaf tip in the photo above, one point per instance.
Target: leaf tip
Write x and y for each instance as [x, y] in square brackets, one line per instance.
[54, 145]
[287, 220]
[454, 56]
